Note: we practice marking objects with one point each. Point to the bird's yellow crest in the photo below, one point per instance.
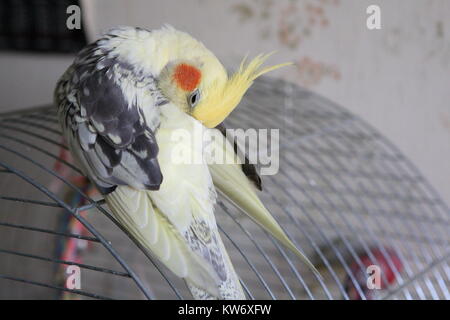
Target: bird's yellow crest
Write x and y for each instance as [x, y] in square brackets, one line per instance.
[222, 98]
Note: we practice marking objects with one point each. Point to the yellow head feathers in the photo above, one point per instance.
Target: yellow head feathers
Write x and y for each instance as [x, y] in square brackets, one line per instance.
[222, 97]
[180, 56]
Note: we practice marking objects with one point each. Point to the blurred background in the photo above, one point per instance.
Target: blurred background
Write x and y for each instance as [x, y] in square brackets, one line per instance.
[396, 78]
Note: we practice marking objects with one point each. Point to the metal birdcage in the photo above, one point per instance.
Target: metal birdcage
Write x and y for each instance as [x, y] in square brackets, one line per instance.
[345, 195]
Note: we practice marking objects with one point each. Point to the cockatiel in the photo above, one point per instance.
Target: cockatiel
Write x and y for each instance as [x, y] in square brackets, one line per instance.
[121, 103]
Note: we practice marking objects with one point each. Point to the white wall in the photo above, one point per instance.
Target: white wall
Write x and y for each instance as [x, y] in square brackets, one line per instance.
[397, 78]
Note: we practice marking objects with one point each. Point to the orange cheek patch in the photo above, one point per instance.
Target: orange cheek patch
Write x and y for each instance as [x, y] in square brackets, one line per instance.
[187, 77]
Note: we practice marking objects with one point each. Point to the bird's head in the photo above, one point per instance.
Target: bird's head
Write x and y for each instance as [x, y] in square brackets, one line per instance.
[198, 84]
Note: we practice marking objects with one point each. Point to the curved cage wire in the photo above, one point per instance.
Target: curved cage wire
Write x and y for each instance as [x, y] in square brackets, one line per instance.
[345, 195]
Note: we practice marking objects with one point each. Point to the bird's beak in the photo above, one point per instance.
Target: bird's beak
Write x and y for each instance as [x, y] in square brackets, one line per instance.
[211, 114]
[223, 99]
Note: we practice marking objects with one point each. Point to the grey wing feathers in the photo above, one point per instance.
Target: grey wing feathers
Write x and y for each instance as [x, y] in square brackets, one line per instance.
[105, 127]
[203, 240]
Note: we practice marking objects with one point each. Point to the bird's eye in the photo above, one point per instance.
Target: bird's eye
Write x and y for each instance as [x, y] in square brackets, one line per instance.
[194, 97]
